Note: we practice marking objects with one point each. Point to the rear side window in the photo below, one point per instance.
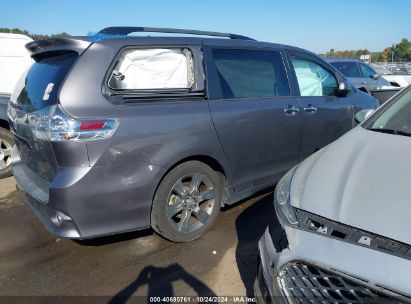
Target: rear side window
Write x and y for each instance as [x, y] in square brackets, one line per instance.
[313, 79]
[367, 71]
[153, 69]
[250, 73]
[348, 69]
[39, 85]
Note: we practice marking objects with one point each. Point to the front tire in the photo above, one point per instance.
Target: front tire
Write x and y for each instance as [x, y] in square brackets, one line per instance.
[187, 202]
[6, 144]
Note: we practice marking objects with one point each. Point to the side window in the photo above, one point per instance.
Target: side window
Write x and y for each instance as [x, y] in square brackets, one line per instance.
[250, 73]
[348, 69]
[313, 79]
[367, 71]
[150, 69]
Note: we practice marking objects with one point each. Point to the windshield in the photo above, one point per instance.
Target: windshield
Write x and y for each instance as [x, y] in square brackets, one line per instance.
[395, 119]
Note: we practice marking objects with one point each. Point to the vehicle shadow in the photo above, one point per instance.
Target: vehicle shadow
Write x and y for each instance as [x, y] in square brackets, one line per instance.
[159, 281]
[250, 225]
[115, 238]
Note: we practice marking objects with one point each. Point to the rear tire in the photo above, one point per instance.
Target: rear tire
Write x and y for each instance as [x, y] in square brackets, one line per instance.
[6, 144]
[187, 202]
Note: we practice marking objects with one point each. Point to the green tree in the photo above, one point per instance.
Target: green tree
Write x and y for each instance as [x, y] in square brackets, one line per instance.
[385, 55]
[14, 31]
[33, 36]
[402, 51]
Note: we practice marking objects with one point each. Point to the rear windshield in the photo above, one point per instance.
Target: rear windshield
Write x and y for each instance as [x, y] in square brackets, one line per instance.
[348, 69]
[39, 85]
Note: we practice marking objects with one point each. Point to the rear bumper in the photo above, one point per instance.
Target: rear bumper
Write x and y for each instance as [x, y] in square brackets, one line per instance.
[87, 202]
[314, 268]
[48, 217]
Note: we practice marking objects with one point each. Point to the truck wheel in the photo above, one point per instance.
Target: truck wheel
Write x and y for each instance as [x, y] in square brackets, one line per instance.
[6, 144]
[187, 202]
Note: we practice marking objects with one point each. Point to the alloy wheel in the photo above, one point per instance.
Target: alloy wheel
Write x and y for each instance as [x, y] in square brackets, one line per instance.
[191, 202]
[5, 153]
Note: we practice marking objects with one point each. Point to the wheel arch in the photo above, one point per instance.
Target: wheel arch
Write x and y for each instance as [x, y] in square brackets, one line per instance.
[223, 171]
[4, 124]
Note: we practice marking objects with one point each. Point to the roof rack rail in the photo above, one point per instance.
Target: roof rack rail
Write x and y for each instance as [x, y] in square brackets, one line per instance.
[125, 30]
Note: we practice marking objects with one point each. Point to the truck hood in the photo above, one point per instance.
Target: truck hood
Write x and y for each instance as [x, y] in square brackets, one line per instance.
[362, 180]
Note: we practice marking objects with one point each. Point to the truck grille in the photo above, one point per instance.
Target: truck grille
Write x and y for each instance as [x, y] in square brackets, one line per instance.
[306, 283]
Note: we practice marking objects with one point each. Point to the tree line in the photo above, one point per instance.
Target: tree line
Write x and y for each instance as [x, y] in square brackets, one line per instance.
[33, 36]
[400, 52]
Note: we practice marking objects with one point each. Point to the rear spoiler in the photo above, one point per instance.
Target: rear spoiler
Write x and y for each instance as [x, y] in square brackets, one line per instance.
[73, 44]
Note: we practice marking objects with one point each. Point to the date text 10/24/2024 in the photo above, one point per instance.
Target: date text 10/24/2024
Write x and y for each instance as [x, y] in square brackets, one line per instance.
[203, 299]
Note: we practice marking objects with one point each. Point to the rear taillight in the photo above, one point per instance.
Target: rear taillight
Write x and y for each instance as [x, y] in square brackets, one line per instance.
[53, 124]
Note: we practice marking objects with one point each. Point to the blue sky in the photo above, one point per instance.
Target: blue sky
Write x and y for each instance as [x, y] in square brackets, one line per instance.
[316, 25]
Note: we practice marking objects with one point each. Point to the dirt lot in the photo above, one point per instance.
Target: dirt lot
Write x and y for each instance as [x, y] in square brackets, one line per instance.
[35, 263]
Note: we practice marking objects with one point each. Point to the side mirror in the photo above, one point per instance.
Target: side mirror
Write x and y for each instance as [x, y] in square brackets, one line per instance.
[363, 115]
[376, 77]
[343, 88]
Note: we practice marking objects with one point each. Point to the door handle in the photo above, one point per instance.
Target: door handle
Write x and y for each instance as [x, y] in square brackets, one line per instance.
[310, 109]
[291, 110]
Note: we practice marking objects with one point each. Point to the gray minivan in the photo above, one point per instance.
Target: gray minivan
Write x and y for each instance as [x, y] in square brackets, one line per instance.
[116, 133]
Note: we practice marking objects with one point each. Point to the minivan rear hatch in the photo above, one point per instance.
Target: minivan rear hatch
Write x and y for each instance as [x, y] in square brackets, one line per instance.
[36, 91]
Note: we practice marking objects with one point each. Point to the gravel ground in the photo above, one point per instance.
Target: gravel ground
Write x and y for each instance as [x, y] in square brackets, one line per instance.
[127, 267]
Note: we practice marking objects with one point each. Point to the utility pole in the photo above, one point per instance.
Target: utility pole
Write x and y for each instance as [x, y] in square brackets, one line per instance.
[392, 53]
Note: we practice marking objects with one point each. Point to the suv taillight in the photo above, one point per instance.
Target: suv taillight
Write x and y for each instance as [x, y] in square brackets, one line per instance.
[53, 124]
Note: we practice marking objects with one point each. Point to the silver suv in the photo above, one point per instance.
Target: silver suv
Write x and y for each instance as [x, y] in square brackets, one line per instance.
[360, 74]
[341, 231]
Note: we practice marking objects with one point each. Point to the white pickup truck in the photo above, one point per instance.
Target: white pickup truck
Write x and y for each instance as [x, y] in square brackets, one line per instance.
[14, 60]
[399, 80]
[396, 79]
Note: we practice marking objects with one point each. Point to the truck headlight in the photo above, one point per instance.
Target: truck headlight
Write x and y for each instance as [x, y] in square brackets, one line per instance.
[285, 212]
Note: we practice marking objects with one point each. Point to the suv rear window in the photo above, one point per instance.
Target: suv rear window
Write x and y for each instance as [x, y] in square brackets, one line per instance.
[39, 85]
[153, 69]
[367, 72]
[250, 73]
[348, 69]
